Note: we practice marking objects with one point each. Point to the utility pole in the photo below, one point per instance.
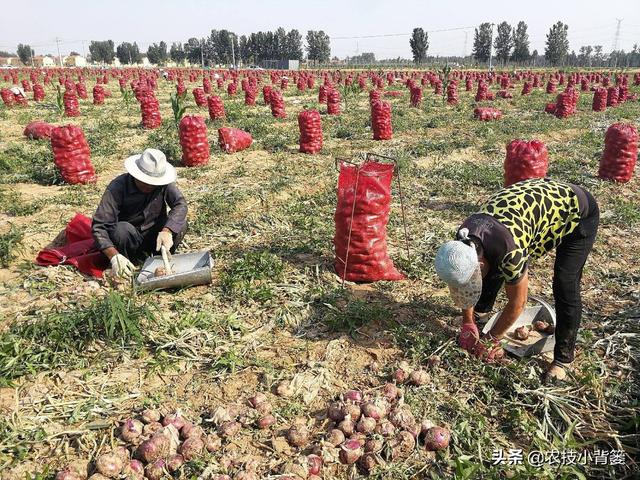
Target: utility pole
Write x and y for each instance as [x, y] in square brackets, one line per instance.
[491, 49]
[59, 56]
[466, 38]
[233, 53]
[616, 38]
[202, 52]
[84, 52]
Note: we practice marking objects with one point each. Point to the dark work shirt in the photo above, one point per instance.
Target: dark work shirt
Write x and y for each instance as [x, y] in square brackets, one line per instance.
[122, 201]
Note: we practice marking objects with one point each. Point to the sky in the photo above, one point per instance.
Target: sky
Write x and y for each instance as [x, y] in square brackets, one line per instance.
[77, 22]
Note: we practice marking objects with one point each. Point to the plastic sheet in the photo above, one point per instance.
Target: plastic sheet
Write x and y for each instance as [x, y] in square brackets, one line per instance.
[486, 114]
[71, 106]
[193, 140]
[361, 217]
[620, 152]
[524, 160]
[381, 120]
[216, 107]
[200, 97]
[98, 94]
[277, 104]
[310, 125]
[72, 155]
[38, 129]
[233, 140]
[333, 102]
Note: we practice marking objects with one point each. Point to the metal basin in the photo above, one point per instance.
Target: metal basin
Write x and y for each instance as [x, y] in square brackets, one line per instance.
[189, 269]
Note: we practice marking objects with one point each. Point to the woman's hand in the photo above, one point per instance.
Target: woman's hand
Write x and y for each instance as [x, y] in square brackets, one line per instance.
[469, 336]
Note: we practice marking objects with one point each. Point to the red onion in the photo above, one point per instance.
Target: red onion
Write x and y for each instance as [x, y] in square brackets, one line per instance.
[154, 448]
[433, 361]
[419, 377]
[335, 437]
[437, 438]
[366, 425]
[335, 411]
[229, 429]
[352, 411]
[297, 435]
[540, 326]
[174, 462]
[131, 429]
[373, 445]
[390, 392]
[149, 416]
[402, 445]
[347, 426]
[133, 467]
[155, 470]
[98, 476]
[354, 396]
[174, 419]
[521, 333]
[212, 443]
[190, 430]
[264, 408]
[191, 448]
[284, 389]
[385, 428]
[367, 463]
[401, 417]
[257, 399]
[315, 464]
[360, 437]
[67, 473]
[109, 465]
[350, 452]
[266, 421]
[151, 428]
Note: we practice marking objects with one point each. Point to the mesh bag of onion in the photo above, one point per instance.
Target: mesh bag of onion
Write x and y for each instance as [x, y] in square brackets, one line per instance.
[233, 140]
[620, 152]
[71, 154]
[524, 160]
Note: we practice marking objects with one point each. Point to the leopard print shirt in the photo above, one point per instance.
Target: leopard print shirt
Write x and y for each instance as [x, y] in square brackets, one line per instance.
[538, 213]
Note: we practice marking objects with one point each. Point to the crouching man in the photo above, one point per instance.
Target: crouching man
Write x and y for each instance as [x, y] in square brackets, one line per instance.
[131, 221]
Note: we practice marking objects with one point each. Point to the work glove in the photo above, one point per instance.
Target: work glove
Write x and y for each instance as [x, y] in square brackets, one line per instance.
[488, 349]
[165, 239]
[121, 266]
[468, 337]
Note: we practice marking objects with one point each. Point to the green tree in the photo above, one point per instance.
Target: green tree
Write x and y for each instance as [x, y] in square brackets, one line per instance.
[294, 45]
[5, 54]
[318, 46]
[193, 50]
[503, 42]
[598, 56]
[177, 53]
[585, 55]
[520, 43]
[419, 43]
[482, 42]
[557, 44]
[219, 48]
[102, 51]
[25, 53]
[280, 44]
[128, 53]
[157, 53]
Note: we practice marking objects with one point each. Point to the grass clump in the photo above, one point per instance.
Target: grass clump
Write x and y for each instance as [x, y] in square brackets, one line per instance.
[251, 277]
[9, 244]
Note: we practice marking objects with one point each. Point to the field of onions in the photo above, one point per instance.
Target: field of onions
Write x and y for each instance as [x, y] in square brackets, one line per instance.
[280, 369]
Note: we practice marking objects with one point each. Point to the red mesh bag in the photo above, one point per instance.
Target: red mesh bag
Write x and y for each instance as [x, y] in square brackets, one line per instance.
[71, 107]
[150, 110]
[482, 93]
[550, 108]
[623, 93]
[322, 94]
[38, 92]
[301, 85]
[206, 85]
[233, 140]
[612, 96]
[505, 94]
[7, 97]
[180, 88]
[361, 217]
[250, 96]
[26, 86]
[277, 104]
[525, 160]
[438, 88]
[72, 155]
[266, 94]
[468, 84]
[220, 83]
[551, 87]
[584, 84]
[194, 141]
[38, 129]
[216, 107]
[81, 89]
[200, 97]
[566, 104]
[333, 102]
[416, 96]
[232, 88]
[452, 93]
[310, 131]
[620, 152]
[98, 94]
[374, 95]
[284, 83]
[486, 114]
[381, 120]
[527, 88]
[599, 99]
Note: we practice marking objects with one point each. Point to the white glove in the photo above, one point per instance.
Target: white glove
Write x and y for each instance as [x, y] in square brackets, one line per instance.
[165, 239]
[121, 266]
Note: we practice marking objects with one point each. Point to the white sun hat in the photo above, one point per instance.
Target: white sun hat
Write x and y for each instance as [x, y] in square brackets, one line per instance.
[151, 167]
[457, 265]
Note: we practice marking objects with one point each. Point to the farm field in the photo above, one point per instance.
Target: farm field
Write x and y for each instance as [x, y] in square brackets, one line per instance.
[78, 356]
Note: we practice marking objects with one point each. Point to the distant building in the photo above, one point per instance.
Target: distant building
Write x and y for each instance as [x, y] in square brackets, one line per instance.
[44, 61]
[75, 61]
[13, 61]
[280, 64]
[145, 61]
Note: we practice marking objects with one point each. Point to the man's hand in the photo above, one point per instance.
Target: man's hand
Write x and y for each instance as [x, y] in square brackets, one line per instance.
[121, 266]
[469, 336]
[165, 239]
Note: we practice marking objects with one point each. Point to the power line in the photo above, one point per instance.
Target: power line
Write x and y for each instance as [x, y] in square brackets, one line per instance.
[385, 35]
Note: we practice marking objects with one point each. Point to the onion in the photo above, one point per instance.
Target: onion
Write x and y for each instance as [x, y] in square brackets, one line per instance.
[212, 443]
[315, 464]
[402, 445]
[221, 477]
[266, 421]
[257, 399]
[350, 452]
[425, 425]
[335, 411]
[521, 333]
[385, 428]
[122, 453]
[174, 462]
[155, 470]
[353, 396]
[401, 417]
[437, 438]
[419, 377]
[390, 392]
[98, 476]
[191, 448]
[433, 361]
[109, 465]
[347, 426]
[284, 389]
[151, 428]
[367, 463]
[366, 425]
[67, 473]
[190, 430]
[314, 477]
[133, 467]
[335, 437]
[373, 445]
[150, 415]
[264, 408]
[160, 272]
[402, 372]
[154, 448]
[244, 475]
[297, 435]
[540, 326]
[131, 429]
[352, 411]
[229, 429]
[174, 419]
[550, 330]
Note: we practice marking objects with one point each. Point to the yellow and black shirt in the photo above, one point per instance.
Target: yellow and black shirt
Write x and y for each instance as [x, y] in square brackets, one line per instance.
[524, 221]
